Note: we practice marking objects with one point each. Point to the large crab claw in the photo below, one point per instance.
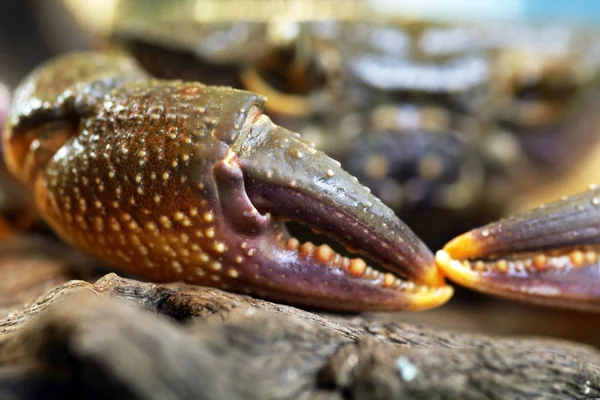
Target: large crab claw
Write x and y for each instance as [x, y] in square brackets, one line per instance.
[175, 180]
[548, 255]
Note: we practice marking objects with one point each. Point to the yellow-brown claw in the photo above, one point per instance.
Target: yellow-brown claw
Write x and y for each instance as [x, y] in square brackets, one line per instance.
[548, 255]
[175, 180]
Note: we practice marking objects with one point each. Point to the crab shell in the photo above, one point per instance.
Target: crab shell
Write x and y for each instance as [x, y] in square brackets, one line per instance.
[173, 180]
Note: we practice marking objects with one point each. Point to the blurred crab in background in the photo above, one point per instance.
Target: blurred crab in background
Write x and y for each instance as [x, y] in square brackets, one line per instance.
[447, 124]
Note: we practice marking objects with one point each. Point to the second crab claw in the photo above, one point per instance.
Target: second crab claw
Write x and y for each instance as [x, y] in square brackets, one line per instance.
[548, 255]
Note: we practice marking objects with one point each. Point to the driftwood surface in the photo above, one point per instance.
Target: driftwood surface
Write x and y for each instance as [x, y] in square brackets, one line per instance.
[121, 338]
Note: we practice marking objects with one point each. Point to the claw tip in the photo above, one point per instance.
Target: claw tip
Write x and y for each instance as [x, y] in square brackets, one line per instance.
[433, 277]
[434, 298]
[464, 246]
[454, 269]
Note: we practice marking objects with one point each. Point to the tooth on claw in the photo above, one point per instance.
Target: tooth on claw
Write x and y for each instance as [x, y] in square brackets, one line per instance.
[324, 254]
[480, 265]
[577, 258]
[292, 244]
[502, 265]
[591, 257]
[388, 280]
[337, 260]
[371, 273]
[306, 249]
[344, 263]
[540, 262]
[357, 267]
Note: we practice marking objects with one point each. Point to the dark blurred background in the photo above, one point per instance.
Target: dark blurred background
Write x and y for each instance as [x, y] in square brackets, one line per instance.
[33, 30]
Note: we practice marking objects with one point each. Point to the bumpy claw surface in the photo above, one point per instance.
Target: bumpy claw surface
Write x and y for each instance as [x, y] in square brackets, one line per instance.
[175, 180]
[549, 255]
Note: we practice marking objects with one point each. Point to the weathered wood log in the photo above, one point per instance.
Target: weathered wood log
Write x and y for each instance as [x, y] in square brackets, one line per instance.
[121, 338]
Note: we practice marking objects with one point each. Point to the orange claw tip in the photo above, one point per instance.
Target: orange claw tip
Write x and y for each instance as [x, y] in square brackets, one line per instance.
[455, 270]
[431, 298]
[433, 277]
[465, 246]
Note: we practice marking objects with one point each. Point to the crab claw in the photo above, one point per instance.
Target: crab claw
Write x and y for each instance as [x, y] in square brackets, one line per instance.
[289, 179]
[548, 255]
[172, 180]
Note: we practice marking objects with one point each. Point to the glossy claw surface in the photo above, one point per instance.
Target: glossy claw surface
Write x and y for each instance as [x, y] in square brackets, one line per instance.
[175, 180]
[548, 255]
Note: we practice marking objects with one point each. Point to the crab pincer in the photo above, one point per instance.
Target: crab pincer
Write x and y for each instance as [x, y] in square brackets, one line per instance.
[173, 180]
[548, 255]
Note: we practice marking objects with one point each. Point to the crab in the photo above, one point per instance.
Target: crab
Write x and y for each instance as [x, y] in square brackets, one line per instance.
[175, 180]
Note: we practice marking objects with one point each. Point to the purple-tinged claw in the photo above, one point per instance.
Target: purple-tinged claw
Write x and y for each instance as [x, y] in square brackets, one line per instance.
[175, 180]
[548, 255]
[287, 178]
